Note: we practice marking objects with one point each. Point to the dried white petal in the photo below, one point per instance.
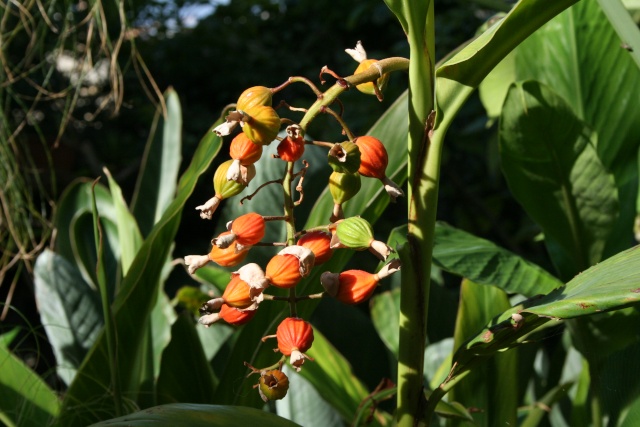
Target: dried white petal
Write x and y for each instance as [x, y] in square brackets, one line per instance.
[253, 275]
[330, 282]
[359, 54]
[225, 128]
[297, 359]
[212, 305]
[233, 173]
[305, 256]
[247, 173]
[209, 319]
[195, 262]
[380, 249]
[223, 241]
[337, 213]
[208, 208]
[392, 189]
[389, 269]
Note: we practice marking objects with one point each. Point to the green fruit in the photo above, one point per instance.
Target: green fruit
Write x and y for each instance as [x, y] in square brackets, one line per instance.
[344, 157]
[223, 187]
[343, 186]
[355, 233]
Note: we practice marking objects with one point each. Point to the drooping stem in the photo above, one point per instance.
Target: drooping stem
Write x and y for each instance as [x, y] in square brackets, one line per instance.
[287, 182]
[423, 177]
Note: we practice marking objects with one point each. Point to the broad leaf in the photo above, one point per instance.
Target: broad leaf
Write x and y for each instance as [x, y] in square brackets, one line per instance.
[132, 306]
[551, 166]
[156, 185]
[385, 312]
[492, 389]
[486, 263]
[27, 401]
[331, 376]
[303, 404]
[624, 26]
[610, 285]
[70, 311]
[185, 374]
[194, 415]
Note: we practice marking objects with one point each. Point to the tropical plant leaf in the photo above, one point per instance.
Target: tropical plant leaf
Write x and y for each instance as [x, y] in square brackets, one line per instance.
[132, 307]
[70, 311]
[129, 236]
[331, 376]
[185, 374]
[303, 405]
[486, 263]
[156, 184]
[553, 170]
[458, 77]
[610, 285]
[541, 408]
[198, 415]
[26, 399]
[494, 386]
[385, 312]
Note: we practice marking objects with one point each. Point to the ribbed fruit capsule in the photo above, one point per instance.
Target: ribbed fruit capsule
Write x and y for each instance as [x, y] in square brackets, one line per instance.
[356, 233]
[229, 256]
[235, 317]
[319, 243]
[355, 286]
[224, 188]
[283, 271]
[245, 150]
[254, 96]
[294, 336]
[262, 125]
[238, 293]
[249, 228]
[370, 87]
[373, 157]
[291, 148]
[344, 157]
[273, 385]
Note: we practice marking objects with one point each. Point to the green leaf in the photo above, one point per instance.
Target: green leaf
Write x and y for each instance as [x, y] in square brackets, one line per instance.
[198, 415]
[26, 399]
[7, 338]
[541, 408]
[486, 263]
[453, 410]
[69, 311]
[74, 238]
[610, 285]
[185, 374]
[385, 312]
[579, 54]
[156, 184]
[331, 375]
[458, 77]
[554, 172]
[129, 236]
[493, 389]
[303, 404]
[132, 307]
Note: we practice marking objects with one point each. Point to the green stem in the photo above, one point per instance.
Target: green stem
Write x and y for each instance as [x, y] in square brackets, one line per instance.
[424, 174]
[290, 225]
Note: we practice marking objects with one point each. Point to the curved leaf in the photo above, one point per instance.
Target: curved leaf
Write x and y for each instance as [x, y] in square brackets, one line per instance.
[70, 311]
[554, 172]
[195, 415]
[156, 184]
[458, 77]
[27, 401]
[132, 307]
[610, 285]
[486, 263]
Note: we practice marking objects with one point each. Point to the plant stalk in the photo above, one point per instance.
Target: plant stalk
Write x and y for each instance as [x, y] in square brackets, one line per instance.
[424, 175]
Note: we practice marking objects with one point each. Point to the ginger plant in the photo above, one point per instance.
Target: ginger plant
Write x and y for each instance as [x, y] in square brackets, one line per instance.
[353, 159]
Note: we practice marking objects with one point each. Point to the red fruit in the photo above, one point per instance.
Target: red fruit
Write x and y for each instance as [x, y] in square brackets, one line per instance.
[294, 334]
[283, 271]
[235, 317]
[290, 149]
[229, 256]
[248, 228]
[373, 157]
[243, 149]
[319, 243]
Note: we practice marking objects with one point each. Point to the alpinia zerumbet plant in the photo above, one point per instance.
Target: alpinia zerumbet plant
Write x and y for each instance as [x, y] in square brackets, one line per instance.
[303, 250]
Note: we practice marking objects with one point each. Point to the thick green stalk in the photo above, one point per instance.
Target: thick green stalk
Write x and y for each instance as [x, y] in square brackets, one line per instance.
[424, 174]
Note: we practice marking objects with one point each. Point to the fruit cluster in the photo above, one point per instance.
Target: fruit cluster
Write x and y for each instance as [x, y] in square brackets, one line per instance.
[303, 250]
